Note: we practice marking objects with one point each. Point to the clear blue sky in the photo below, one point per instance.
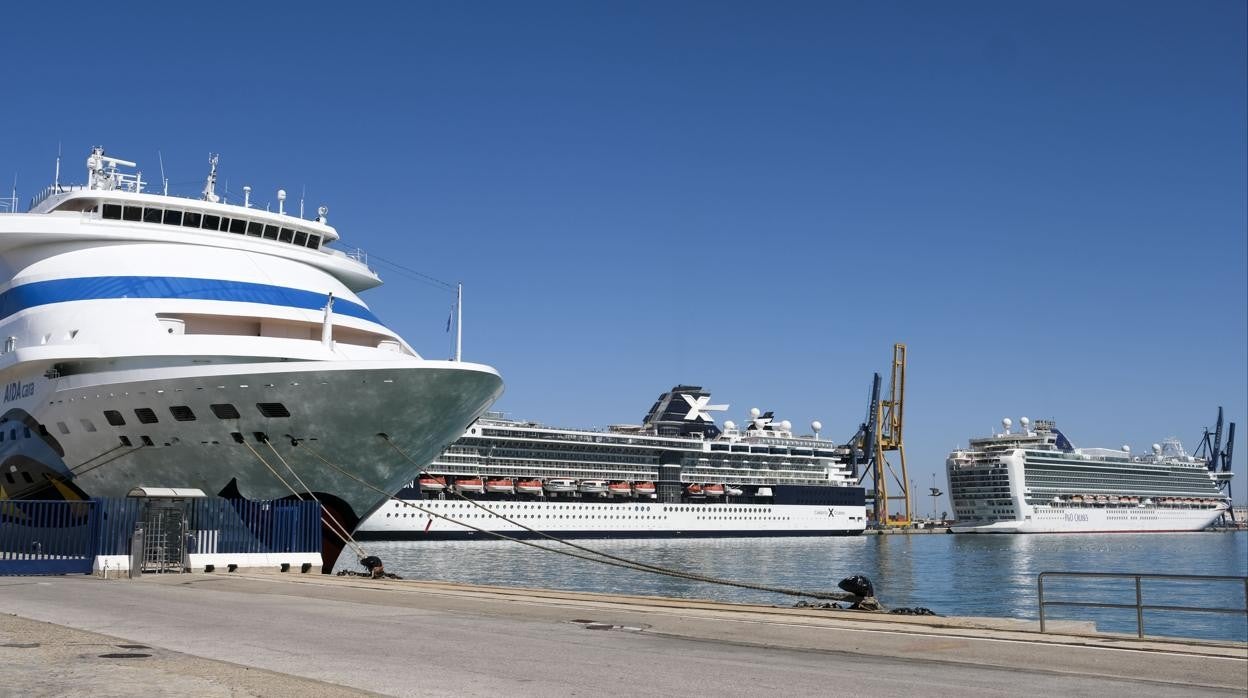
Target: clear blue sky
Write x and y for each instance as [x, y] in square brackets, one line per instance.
[1045, 200]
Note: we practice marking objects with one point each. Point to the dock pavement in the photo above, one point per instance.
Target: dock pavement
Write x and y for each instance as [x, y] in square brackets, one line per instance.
[312, 635]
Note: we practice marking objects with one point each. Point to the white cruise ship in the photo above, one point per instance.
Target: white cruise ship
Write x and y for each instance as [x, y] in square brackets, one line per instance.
[677, 474]
[156, 340]
[1035, 481]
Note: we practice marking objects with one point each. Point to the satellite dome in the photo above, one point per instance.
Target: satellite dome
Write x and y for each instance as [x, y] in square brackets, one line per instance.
[1023, 422]
[730, 425]
[1126, 448]
[816, 425]
[754, 412]
[1156, 448]
[1007, 422]
[786, 425]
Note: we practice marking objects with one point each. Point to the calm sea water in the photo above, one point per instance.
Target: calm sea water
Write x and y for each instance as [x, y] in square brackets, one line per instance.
[951, 574]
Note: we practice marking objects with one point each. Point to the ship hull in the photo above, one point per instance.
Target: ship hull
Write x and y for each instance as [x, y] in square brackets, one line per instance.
[1101, 520]
[446, 519]
[335, 411]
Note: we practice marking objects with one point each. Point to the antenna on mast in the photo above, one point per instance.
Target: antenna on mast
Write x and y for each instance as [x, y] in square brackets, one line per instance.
[210, 193]
[56, 178]
[302, 193]
[164, 180]
[459, 321]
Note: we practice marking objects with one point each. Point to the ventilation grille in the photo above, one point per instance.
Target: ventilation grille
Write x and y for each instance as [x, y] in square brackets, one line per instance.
[272, 409]
[182, 413]
[225, 411]
[145, 415]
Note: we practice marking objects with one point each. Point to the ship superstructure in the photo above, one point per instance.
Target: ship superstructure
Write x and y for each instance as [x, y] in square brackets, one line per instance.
[157, 340]
[1035, 480]
[677, 473]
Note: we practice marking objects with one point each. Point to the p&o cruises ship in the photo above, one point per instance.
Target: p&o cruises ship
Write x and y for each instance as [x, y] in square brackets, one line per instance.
[152, 340]
[1036, 481]
[677, 474]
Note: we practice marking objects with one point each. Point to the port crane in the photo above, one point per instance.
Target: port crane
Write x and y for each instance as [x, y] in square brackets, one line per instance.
[880, 434]
[1217, 459]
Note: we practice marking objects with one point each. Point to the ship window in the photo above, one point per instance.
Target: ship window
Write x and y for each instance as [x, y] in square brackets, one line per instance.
[125, 441]
[191, 219]
[145, 415]
[86, 424]
[314, 241]
[272, 409]
[9, 477]
[131, 213]
[182, 413]
[152, 215]
[26, 476]
[147, 440]
[270, 232]
[114, 418]
[225, 225]
[301, 238]
[285, 235]
[173, 217]
[26, 432]
[112, 212]
[225, 411]
[254, 229]
[211, 222]
[238, 226]
[62, 427]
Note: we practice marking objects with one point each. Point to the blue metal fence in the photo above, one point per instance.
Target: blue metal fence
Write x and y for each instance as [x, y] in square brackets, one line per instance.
[38, 537]
[54, 537]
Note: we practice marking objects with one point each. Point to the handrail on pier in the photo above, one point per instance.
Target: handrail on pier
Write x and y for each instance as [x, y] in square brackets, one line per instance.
[1139, 604]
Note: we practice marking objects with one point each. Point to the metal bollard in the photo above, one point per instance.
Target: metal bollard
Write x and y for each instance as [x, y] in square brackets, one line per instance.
[136, 552]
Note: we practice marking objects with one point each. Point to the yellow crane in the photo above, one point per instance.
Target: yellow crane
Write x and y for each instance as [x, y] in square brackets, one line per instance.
[882, 434]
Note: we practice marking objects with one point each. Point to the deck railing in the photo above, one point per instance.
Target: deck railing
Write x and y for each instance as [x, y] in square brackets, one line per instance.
[1139, 604]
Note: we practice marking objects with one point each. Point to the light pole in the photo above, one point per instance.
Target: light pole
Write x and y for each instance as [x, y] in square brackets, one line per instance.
[935, 492]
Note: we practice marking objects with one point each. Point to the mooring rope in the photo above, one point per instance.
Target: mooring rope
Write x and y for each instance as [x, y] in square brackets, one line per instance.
[329, 522]
[601, 557]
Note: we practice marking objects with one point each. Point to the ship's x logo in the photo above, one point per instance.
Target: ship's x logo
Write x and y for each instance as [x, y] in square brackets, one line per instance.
[698, 408]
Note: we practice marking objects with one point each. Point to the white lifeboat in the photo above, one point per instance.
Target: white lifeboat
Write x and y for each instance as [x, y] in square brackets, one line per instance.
[593, 487]
[560, 485]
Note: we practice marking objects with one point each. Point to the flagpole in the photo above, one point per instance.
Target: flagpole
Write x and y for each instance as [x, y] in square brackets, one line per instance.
[459, 321]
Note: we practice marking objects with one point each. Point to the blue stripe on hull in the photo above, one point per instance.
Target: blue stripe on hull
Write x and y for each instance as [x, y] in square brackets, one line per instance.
[39, 293]
[473, 535]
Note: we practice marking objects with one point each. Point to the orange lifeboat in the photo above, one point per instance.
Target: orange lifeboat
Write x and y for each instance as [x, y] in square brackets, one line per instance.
[620, 489]
[694, 490]
[469, 484]
[501, 485]
[644, 489]
[529, 487]
[713, 490]
[432, 483]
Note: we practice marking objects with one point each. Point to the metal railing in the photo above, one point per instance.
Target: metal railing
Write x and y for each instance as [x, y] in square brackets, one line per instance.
[1139, 604]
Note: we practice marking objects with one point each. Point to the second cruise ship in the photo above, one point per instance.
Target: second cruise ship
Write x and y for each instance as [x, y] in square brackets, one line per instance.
[676, 474]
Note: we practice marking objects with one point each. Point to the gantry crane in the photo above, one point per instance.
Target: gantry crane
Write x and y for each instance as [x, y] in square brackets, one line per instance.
[880, 434]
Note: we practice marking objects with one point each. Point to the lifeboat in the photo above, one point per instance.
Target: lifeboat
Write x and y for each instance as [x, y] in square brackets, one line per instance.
[1101, 499]
[644, 489]
[469, 484]
[1077, 499]
[620, 489]
[713, 490]
[694, 490]
[502, 485]
[1113, 499]
[560, 485]
[529, 487]
[733, 491]
[432, 483]
[593, 487]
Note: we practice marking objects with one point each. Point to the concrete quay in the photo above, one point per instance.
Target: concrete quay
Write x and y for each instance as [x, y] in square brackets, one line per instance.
[273, 634]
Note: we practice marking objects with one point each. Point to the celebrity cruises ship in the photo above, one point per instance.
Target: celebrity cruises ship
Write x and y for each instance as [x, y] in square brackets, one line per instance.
[153, 340]
[1035, 481]
[677, 474]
